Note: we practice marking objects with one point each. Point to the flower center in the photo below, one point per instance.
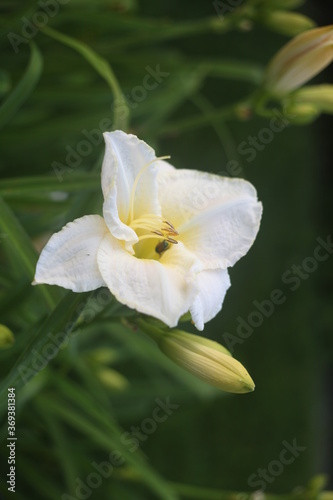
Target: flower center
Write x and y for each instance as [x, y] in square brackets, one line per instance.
[151, 226]
[154, 226]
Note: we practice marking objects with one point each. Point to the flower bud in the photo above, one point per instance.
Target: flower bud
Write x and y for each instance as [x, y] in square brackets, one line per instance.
[302, 114]
[288, 23]
[284, 4]
[112, 379]
[318, 96]
[207, 360]
[6, 337]
[299, 60]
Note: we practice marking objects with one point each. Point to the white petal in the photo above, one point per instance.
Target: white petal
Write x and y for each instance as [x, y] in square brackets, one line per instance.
[163, 290]
[125, 156]
[218, 218]
[69, 258]
[212, 286]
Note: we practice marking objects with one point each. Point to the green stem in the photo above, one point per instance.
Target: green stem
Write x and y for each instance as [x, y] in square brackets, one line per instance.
[148, 328]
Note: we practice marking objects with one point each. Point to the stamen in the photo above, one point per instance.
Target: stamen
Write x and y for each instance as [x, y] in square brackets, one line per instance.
[169, 231]
[170, 225]
[143, 169]
[148, 236]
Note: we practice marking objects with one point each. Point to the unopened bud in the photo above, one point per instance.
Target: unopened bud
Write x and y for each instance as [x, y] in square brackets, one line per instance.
[112, 379]
[319, 96]
[207, 360]
[284, 4]
[302, 114]
[299, 60]
[288, 23]
[6, 337]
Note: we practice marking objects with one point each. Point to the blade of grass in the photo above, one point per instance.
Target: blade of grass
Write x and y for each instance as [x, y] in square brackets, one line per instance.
[21, 245]
[102, 67]
[38, 482]
[35, 184]
[62, 447]
[110, 442]
[24, 88]
[62, 320]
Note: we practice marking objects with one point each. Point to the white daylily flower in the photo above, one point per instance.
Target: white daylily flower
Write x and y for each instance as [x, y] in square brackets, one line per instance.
[166, 238]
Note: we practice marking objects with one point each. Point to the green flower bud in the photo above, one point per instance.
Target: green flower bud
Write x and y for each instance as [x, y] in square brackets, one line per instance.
[288, 23]
[284, 4]
[6, 337]
[319, 96]
[302, 114]
[207, 360]
[112, 379]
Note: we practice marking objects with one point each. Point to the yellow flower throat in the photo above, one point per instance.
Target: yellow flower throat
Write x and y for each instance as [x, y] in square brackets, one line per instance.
[150, 225]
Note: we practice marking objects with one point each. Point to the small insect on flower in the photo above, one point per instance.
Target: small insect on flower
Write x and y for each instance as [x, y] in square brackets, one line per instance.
[161, 247]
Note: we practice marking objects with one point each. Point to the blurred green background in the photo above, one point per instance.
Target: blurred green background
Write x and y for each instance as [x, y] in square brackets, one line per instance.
[108, 378]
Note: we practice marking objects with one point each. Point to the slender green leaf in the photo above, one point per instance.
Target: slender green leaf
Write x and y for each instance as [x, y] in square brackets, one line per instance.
[46, 343]
[62, 447]
[47, 487]
[102, 67]
[110, 441]
[20, 244]
[12, 188]
[24, 88]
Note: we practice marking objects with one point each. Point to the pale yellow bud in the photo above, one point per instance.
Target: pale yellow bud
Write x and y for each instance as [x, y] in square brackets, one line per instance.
[318, 96]
[299, 60]
[288, 23]
[207, 360]
[6, 337]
